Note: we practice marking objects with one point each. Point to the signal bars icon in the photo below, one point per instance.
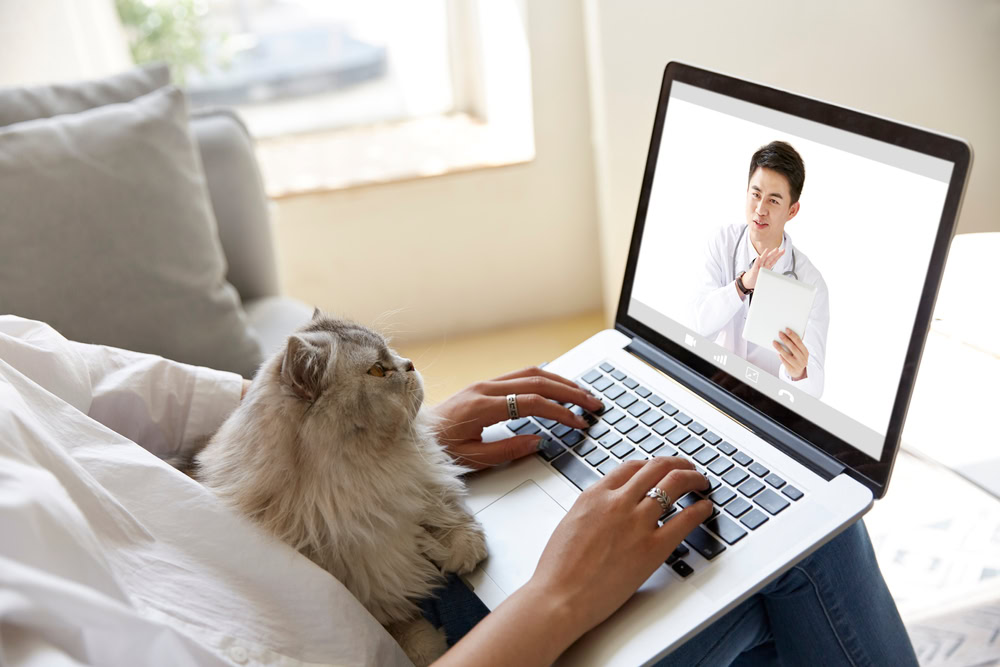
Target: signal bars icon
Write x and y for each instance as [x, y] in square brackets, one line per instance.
[720, 358]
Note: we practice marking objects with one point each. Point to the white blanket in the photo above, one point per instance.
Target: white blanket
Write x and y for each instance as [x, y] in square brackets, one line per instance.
[108, 556]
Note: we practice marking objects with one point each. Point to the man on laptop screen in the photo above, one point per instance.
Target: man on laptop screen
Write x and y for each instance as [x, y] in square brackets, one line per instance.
[723, 301]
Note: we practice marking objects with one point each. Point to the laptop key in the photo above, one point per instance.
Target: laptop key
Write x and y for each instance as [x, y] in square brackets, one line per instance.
[518, 423]
[720, 466]
[655, 400]
[585, 447]
[598, 430]
[597, 457]
[610, 440]
[561, 430]
[682, 568]
[792, 492]
[665, 450]
[622, 449]
[688, 499]
[735, 477]
[606, 367]
[651, 444]
[689, 446]
[665, 426]
[669, 409]
[759, 470]
[614, 391]
[738, 507]
[726, 448]
[699, 540]
[576, 471]
[613, 417]
[713, 483]
[774, 481]
[547, 423]
[530, 428]
[726, 529]
[635, 456]
[608, 466]
[572, 438]
[549, 448]
[712, 438]
[696, 428]
[677, 436]
[625, 425]
[637, 409]
[637, 434]
[625, 400]
[618, 375]
[651, 417]
[722, 495]
[603, 383]
[750, 488]
[742, 458]
[630, 383]
[593, 375]
[706, 455]
[753, 519]
[642, 392]
[771, 501]
[682, 418]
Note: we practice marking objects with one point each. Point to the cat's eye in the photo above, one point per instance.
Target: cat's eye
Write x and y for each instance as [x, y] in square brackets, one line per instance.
[377, 369]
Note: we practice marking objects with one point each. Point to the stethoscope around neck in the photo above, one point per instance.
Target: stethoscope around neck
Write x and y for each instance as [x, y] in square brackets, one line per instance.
[736, 250]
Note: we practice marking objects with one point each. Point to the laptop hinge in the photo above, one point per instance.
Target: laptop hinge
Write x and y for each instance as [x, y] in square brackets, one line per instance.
[761, 425]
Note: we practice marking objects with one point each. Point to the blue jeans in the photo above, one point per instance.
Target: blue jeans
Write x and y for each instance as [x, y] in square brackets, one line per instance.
[833, 608]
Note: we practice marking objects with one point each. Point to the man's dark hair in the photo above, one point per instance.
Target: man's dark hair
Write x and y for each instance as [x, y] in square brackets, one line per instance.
[782, 158]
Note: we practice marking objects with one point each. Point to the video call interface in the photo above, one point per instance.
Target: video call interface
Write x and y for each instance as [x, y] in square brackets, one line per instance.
[789, 254]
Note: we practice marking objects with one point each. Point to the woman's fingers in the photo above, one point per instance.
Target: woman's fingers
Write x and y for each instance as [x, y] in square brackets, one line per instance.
[675, 484]
[542, 386]
[534, 371]
[652, 472]
[477, 454]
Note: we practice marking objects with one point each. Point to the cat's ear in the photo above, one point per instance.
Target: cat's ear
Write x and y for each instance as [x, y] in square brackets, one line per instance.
[317, 314]
[304, 364]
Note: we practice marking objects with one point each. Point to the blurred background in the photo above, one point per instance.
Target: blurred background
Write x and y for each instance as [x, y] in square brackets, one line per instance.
[464, 174]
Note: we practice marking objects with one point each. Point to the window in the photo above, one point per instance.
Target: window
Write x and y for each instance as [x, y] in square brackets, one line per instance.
[340, 93]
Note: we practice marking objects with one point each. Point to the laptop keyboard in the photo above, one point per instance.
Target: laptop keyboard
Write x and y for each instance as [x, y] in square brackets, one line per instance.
[635, 423]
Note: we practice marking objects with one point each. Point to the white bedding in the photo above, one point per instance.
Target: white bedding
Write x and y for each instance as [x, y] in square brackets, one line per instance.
[108, 556]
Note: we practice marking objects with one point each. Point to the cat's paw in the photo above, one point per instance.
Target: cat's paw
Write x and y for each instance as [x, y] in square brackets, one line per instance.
[421, 642]
[467, 547]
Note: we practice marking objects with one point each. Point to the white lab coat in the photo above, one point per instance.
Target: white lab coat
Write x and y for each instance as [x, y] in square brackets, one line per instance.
[720, 313]
[108, 556]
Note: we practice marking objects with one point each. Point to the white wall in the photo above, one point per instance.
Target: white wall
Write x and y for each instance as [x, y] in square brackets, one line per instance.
[932, 63]
[60, 40]
[468, 250]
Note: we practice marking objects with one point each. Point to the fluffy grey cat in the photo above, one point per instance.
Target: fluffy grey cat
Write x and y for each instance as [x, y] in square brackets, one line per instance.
[331, 452]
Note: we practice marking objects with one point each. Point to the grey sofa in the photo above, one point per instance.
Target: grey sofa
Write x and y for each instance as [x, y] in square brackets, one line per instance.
[241, 212]
[130, 222]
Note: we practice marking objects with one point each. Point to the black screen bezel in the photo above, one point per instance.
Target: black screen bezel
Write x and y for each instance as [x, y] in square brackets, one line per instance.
[873, 473]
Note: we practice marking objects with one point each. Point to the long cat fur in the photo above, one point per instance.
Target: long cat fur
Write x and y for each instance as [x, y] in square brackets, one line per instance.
[344, 466]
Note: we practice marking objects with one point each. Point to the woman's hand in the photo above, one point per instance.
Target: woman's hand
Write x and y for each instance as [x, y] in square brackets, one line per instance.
[600, 553]
[609, 542]
[539, 394]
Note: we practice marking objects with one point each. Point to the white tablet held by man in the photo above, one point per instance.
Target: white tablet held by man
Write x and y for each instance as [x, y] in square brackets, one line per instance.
[779, 302]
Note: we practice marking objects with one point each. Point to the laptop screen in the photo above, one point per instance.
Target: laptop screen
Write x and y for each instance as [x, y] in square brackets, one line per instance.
[756, 218]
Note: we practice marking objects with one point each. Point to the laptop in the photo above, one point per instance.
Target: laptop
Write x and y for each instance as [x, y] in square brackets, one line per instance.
[791, 462]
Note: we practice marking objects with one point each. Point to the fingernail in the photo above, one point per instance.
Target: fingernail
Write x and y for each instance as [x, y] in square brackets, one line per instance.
[541, 443]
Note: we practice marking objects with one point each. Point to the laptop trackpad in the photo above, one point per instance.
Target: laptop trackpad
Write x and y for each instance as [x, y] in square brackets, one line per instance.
[518, 526]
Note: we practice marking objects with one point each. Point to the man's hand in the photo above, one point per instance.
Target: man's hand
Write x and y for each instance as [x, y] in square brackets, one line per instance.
[793, 353]
[765, 261]
[539, 394]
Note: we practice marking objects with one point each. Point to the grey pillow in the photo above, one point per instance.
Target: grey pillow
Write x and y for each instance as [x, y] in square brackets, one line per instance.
[30, 103]
[107, 233]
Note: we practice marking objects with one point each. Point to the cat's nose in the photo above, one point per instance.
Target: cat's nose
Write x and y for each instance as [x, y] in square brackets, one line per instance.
[408, 365]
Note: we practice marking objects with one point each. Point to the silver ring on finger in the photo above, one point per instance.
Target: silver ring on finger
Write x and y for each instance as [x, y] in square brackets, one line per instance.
[512, 406]
[657, 494]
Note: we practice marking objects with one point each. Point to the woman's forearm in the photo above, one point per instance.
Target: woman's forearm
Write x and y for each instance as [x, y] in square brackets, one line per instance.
[529, 628]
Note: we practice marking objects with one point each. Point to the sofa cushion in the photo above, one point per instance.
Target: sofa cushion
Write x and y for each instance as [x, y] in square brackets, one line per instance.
[107, 233]
[33, 102]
